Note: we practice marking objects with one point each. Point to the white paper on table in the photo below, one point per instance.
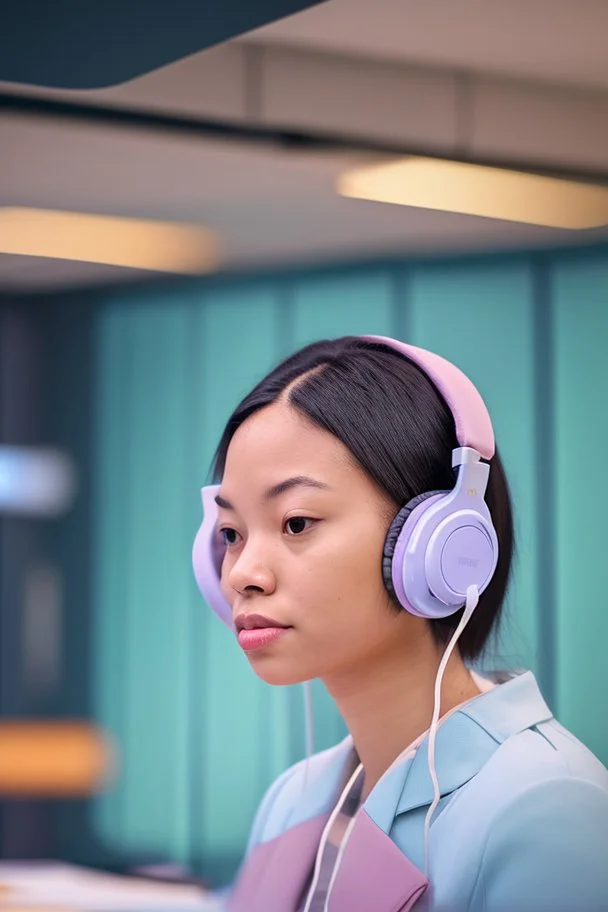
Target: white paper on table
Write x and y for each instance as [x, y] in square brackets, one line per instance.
[63, 886]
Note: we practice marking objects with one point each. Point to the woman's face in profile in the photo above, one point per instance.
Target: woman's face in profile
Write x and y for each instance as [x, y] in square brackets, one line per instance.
[304, 533]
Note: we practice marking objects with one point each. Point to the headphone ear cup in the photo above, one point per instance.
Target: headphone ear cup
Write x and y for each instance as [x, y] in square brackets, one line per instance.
[207, 555]
[392, 537]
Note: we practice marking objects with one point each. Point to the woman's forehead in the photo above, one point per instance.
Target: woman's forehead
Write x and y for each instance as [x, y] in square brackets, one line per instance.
[278, 429]
[277, 442]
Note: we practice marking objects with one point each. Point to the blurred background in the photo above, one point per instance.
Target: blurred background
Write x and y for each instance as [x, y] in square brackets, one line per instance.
[188, 195]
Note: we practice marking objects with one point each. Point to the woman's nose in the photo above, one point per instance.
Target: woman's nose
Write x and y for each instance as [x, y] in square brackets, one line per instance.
[249, 573]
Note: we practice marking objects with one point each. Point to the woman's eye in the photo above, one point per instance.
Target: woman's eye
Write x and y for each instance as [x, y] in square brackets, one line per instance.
[229, 536]
[297, 524]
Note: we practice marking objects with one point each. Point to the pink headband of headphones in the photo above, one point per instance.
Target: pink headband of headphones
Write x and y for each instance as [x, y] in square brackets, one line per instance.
[473, 424]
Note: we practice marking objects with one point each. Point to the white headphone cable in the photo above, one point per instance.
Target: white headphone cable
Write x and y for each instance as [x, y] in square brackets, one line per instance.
[471, 603]
[308, 728]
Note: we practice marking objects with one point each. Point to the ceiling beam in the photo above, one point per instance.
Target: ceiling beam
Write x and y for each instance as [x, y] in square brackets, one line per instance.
[271, 96]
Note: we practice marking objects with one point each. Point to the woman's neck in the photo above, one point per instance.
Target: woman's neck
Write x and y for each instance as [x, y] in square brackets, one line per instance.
[389, 703]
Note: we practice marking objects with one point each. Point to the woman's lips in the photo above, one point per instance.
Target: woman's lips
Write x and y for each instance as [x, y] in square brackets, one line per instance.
[260, 637]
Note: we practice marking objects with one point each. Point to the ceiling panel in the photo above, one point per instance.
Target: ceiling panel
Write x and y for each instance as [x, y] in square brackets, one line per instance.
[558, 40]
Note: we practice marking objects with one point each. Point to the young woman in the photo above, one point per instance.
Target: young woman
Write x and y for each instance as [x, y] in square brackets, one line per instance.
[361, 533]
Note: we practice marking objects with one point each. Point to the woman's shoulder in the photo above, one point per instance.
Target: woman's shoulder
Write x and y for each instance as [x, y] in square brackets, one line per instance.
[526, 745]
[543, 766]
[578, 761]
[545, 756]
[545, 844]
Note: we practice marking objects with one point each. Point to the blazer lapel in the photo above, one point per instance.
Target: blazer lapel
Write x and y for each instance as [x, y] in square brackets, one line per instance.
[274, 875]
[374, 873]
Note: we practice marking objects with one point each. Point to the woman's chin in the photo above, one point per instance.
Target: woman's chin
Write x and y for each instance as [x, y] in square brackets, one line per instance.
[276, 673]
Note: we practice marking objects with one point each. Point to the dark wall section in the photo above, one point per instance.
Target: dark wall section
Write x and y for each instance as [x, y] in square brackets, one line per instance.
[25, 826]
[45, 392]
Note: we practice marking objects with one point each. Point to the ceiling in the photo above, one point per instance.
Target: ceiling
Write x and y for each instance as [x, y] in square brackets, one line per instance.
[272, 207]
[555, 40]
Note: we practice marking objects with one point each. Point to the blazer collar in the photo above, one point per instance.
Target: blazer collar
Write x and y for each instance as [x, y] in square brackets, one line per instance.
[509, 708]
[464, 743]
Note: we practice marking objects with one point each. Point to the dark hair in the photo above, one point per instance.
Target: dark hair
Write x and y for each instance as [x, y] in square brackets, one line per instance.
[390, 416]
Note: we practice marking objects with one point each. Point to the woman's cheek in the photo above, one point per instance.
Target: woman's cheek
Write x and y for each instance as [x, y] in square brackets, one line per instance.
[227, 590]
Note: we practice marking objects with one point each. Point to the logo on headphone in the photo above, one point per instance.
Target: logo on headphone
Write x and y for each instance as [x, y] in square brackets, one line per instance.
[468, 562]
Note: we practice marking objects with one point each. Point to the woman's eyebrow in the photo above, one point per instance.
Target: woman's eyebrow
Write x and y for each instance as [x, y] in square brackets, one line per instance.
[280, 488]
[294, 482]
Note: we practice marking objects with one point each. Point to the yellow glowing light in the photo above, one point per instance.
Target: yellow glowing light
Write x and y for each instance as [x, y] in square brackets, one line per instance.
[135, 243]
[496, 193]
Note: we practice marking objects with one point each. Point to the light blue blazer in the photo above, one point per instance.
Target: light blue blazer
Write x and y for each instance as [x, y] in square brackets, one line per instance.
[522, 825]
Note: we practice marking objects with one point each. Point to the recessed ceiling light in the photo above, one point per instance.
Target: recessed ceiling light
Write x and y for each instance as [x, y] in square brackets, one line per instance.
[496, 193]
[135, 243]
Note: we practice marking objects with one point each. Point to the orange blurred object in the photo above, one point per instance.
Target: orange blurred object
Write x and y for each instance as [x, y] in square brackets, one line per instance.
[53, 758]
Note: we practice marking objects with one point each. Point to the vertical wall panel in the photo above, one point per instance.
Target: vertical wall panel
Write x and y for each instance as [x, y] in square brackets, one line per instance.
[110, 486]
[328, 307]
[340, 305]
[143, 494]
[156, 622]
[482, 318]
[581, 445]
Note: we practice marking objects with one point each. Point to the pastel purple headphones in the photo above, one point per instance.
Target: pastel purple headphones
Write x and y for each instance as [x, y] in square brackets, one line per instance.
[440, 543]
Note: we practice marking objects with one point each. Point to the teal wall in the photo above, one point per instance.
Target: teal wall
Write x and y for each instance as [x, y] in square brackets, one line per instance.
[199, 737]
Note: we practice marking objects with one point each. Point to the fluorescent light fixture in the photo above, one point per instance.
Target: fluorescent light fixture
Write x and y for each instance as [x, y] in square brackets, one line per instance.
[35, 481]
[497, 193]
[135, 243]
